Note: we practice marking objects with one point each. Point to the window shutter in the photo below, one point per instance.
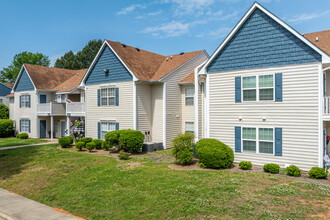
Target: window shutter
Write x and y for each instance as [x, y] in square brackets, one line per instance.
[99, 130]
[117, 96]
[20, 125]
[29, 126]
[278, 87]
[238, 138]
[117, 126]
[238, 90]
[278, 141]
[20, 101]
[99, 97]
[29, 101]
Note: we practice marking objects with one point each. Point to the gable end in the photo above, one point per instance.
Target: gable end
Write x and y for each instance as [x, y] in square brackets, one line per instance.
[24, 82]
[262, 42]
[4, 90]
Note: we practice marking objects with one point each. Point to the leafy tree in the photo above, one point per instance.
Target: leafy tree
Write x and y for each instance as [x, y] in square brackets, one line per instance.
[9, 74]
[82, 59]
[4, 111]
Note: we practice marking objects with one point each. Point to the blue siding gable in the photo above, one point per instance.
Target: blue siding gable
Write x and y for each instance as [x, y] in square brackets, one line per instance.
[262, 42]
[108, 60]
[4, 90]
[24, 83]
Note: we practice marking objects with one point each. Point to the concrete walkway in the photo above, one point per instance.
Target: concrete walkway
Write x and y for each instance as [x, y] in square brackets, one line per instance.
[16, 207]
[28, 145]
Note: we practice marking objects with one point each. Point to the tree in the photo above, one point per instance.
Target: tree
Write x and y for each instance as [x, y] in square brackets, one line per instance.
[82, 59]
[9, 74]
[4, 111]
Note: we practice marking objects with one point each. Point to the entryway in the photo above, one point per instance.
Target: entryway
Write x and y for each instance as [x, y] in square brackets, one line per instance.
[63, 127]
[42, 128]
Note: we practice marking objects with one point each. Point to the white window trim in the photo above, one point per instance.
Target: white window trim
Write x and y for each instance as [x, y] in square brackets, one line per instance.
[186, 96]
[106, 121]
[108, 95]
[185, 128]
[1, 100]
[25, 126]
[258, 88]
[257, 141]
[25, 101]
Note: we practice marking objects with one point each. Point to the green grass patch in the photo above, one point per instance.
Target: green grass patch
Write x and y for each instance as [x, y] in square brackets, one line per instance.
[8, 142]
[99, 187]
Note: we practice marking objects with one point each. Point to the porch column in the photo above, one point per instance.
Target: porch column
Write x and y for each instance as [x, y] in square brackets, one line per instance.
[51, 128]
[68, 125]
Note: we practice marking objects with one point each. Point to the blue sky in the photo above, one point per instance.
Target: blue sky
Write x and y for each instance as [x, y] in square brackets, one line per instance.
[163, 26]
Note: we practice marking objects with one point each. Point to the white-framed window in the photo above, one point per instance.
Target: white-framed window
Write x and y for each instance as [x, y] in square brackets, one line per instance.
[55, 98]
[189, 127]
[258, 140]
[63, 97]
[189, 96]
[25, 125]
[25, 101]
[106, 127]
[108, 96]
[259, 88]
[1, 100]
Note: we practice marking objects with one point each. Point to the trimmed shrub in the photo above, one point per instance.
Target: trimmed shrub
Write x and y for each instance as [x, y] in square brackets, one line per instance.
[183, 146]
[271, 168]
[6, 128]
[124, 155]
[213, 153]
[85, 140]
[4, 111]
[98, 143]
[71, 139]
[293, 171]
[317, 173]
[22, 136]
[90, 146]
[80, 145]
[112, 139]
[105, 146]
[64, 141]
[245, 165]
[131, 140]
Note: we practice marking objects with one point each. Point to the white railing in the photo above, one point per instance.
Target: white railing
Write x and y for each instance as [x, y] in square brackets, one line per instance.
[75, 108]
[58, 108]
[51, 108]
[326, 104]
[43, 108]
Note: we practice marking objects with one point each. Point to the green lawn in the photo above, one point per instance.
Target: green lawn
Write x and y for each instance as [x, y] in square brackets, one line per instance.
[99, 187]
[7, 142]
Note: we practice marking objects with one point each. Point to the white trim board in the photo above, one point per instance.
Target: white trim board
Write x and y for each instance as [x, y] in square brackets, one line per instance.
[19, 76]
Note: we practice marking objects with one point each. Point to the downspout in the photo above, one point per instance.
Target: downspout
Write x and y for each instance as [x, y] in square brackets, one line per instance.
[134, 106]
[164, 115]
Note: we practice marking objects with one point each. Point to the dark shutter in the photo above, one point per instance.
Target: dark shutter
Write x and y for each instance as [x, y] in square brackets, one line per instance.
[238, 139]
[29, 105]
[99, 130]
[29, 126]
[238, 92]
[278, 141]
[117, 126]
[117, 96]
[20, 125]
[20, 101]
[99, 97]
[278, 87]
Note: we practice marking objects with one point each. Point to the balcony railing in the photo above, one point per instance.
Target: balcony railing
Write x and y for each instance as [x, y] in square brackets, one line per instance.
[51, 109]
[75, 108]
[326, 104]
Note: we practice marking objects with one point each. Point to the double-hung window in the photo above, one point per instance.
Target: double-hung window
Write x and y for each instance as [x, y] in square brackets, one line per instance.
[189, 96]
[190, 127]
[107, 126]
[25, 125]
[1, 101]
[259, 88]
[25, 101]
[108, 96]
[258, 140]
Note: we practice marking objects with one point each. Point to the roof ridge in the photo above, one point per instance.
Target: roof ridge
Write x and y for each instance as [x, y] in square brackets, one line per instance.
[35, 65]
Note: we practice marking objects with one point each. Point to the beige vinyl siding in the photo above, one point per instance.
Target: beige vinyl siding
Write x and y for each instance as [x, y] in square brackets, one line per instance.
[188, 111]
[173, 97]
[28, 113]
[11, 106]
[297, 115]
[5, 100]
[123, 114]
[157, 113]
[144, 113]
[201, 104]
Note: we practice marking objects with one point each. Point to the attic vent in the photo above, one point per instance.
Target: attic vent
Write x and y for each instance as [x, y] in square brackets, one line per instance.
[137, 49]
[317, 39]
[124, 45]
[181, 53]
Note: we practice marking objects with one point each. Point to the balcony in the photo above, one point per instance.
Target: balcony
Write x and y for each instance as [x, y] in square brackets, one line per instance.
[326, 106]
[47, 109]
[75, 109]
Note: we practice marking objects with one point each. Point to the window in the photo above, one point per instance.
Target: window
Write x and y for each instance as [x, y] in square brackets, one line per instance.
[1, 100]
[106, 127]
[189, 93]
[25, 101]
[263, 142]
[55, 98]
[62, 98]
[258, 89]
[108, 96]
[25, 125]
[190, 127]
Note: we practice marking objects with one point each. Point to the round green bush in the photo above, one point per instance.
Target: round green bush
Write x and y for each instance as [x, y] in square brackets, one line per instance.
[4, 111]
[85, 140]
[112, 138]
[131, 140]
[245, 165]
[271, 168]
[6, 128]
[71, 139]
[18, 136]
[98, 143]
[293, 171]
[64, 141]
[183, 146]
[24, 136]
[79, 145]
[317, 173]
[213, 153]
[105, 146]
[90, 146]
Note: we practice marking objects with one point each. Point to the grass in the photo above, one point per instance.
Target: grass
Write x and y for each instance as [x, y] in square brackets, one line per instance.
[7, 142]
[99, 187]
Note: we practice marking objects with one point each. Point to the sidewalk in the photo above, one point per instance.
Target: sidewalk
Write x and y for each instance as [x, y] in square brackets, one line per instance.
[28, 145]
[16, 207]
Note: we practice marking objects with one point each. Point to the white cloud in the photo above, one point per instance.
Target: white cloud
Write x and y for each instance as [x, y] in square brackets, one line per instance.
[130, 9]
[54, 58]
[150, 14]
[172, 29]
[193, 7]
[306, 17]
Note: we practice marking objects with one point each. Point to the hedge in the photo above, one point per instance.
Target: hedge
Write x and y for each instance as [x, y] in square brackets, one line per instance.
[4, 111]
[6, 128]
[183, 146]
